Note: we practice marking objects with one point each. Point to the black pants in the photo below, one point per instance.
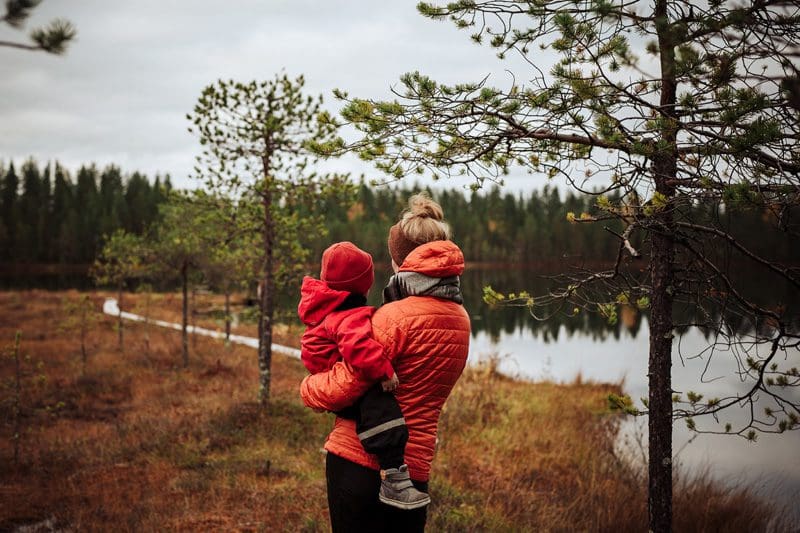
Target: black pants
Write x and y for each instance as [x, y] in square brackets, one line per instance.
[380, 426]
[353, 501]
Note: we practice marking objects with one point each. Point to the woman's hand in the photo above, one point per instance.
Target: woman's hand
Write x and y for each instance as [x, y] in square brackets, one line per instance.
[390, 384]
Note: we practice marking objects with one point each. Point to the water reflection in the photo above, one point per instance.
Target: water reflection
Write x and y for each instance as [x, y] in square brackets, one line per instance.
[506, 321]
[564, 348]
[769, 465]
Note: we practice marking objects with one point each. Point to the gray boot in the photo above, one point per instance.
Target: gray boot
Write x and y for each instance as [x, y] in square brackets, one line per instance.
[398, 491]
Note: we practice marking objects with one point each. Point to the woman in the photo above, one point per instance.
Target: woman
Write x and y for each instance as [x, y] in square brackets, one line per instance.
[425, 331]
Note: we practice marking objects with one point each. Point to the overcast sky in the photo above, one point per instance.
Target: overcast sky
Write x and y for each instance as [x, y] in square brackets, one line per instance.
[121, 93]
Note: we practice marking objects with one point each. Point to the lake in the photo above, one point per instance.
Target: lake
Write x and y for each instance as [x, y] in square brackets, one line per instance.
[564, 349]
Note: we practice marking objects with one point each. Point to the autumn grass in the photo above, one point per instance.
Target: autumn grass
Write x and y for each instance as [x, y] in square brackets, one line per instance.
[544, 457]
[140, 444]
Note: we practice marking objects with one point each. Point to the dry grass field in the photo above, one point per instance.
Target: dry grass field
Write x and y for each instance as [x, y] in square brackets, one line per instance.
[138, 443]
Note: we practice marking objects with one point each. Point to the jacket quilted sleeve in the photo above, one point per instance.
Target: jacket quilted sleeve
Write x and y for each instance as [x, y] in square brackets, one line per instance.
[333, 390]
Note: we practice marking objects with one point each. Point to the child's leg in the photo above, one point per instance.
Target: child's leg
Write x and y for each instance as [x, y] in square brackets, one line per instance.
[381, 427]
[383, 432]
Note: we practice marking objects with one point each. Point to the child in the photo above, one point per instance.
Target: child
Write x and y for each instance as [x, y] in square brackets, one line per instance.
[338, 326]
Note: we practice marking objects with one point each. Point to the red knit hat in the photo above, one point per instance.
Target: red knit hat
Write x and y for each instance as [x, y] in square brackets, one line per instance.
[345, 267]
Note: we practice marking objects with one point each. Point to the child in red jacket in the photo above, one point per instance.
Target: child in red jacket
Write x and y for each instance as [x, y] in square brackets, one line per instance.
[338, 326]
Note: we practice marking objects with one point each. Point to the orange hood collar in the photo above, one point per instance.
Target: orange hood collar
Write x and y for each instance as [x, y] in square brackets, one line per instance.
[437, 259]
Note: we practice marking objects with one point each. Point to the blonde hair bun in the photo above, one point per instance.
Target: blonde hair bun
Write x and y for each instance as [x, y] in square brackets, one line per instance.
[423, 221]
[421, 205]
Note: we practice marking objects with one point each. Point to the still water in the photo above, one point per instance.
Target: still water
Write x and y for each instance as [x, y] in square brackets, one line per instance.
[563, 349]
[772, 462]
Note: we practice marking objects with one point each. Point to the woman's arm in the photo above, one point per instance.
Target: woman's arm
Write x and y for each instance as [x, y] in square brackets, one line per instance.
[339, 387]
[333, 390]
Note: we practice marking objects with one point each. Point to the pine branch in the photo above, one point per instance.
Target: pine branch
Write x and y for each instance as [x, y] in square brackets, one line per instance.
[54, 37]
[21, 46]
[782, 271]
[18, 11]
[729, 285]
[625, 239]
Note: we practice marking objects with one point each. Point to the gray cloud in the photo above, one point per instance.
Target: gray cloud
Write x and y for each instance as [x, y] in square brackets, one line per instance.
[122, 91]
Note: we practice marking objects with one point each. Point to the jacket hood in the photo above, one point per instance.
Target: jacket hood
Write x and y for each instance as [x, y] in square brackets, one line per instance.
[437, 259]
[317, 301]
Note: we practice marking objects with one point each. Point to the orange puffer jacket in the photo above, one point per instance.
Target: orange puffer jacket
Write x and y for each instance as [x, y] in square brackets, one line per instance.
[427, 339]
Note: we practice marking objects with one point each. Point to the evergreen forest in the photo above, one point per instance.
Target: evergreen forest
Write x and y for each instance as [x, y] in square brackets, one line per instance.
[51, 217]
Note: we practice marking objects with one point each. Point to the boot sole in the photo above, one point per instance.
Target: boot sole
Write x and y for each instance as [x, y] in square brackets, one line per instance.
[404, 505]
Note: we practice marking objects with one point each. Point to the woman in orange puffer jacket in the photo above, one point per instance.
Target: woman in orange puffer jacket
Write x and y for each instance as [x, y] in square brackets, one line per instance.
[425, 332]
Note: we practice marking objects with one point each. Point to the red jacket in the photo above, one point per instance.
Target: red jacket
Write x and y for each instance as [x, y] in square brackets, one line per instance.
[427, 339]
[333, 335]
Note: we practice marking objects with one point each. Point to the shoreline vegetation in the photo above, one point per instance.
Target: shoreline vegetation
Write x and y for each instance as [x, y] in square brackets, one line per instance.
[132, 442]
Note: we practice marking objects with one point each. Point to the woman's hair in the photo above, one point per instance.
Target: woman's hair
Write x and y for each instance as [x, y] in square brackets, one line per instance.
[423, 220]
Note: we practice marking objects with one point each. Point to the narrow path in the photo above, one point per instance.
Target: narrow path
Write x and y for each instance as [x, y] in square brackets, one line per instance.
[110, 307]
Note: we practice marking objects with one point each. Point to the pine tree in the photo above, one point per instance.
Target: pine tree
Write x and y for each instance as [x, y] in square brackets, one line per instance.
[669, 104]
[137, 198]
[121, 259]
[3, 231]
[175, 249]
[254, 137]
[33, 195]
[112, 200]
[88, 211]
[10, 204]
[44, 225]
[64, 219]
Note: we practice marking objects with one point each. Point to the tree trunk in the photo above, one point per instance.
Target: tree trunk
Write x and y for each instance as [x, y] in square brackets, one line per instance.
[660, 386]
[119, 318]
[266, 300]
[83, 337]
[147, 326]
[185, 336]
[193, 314]
[227, 315]
[662, 277]
[17, 407]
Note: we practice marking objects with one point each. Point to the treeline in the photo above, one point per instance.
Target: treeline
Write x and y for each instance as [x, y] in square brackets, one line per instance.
[495, 226]
[490, 226]
[50, 216]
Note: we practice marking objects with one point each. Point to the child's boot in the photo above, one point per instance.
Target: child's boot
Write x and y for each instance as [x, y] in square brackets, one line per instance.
[398, 491]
